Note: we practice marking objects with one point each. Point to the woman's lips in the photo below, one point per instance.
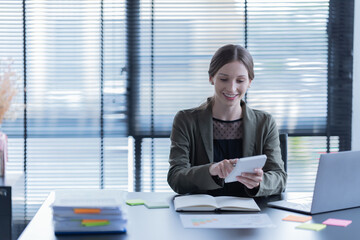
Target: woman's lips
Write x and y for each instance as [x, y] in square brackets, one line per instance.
[230, 96]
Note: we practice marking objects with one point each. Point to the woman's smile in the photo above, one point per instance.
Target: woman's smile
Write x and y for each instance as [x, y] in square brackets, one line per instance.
[230, 96]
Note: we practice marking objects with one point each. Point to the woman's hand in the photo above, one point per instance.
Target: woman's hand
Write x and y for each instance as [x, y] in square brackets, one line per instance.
[223, 168]
[251, 180]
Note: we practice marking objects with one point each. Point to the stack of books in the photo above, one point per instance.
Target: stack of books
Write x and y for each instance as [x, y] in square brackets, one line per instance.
[89, 211]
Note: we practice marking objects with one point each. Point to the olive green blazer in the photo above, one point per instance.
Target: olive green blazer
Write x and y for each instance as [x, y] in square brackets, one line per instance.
[191, 152]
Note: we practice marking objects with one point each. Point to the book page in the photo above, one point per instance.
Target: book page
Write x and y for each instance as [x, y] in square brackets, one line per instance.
[237, 203]
[90, 198]
[195, 202]
[229, 221]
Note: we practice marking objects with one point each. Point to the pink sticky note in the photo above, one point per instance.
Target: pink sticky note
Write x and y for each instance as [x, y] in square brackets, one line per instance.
[337, 222]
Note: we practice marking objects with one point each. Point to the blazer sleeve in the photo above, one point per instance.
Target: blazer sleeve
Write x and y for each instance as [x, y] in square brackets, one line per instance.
[184, 176]
[274, 178]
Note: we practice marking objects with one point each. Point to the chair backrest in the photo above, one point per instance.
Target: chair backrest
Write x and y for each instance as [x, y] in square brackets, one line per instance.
[283, 137]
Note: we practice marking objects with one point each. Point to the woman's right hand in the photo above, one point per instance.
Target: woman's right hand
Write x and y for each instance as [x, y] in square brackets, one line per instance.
[223, 168]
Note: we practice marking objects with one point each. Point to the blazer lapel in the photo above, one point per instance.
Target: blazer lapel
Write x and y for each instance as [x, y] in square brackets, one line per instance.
[249, 128]
[205, 125]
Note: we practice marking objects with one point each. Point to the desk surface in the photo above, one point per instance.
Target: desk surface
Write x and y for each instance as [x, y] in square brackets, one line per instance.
[164, 224]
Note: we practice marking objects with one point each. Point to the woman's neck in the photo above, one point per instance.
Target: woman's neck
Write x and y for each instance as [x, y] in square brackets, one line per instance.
[226, 113]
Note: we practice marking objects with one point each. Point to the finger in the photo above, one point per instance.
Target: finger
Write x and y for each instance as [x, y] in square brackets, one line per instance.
[233, 161]
[259, 171]
[228, 162]
[243, 181]
[228, 168]
[253, 176]
[249, 183]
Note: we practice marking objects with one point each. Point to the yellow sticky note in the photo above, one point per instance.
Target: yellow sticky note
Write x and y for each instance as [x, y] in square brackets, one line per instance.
[312, 226]
[294, 218]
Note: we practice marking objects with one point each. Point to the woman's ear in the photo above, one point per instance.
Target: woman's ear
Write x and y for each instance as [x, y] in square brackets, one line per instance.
[250, 81]
[211, 80]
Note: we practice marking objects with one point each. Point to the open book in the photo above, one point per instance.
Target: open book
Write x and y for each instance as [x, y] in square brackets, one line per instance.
[204, 202]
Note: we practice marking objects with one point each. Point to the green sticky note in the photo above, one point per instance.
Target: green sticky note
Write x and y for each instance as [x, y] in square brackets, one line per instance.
[134, 202]
[94, 224]
[160, 204]
[312, 226]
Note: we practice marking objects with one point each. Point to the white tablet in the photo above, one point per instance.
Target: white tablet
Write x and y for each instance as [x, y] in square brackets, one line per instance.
[246, 164]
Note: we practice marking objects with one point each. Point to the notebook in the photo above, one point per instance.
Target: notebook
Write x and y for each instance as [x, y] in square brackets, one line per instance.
[336, 185]
[205, 202]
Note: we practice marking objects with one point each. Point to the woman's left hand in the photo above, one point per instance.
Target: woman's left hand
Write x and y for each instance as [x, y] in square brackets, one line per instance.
[251, 180]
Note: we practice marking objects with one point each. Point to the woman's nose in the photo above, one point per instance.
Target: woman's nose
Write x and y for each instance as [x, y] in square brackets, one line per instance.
[232, 86]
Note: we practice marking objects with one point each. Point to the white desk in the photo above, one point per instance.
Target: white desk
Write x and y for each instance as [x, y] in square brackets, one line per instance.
[165, 224]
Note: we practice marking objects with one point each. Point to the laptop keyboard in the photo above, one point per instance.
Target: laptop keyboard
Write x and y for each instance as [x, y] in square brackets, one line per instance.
[300, 203]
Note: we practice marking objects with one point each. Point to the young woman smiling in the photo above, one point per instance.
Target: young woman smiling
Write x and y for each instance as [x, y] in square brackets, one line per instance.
[206, 141]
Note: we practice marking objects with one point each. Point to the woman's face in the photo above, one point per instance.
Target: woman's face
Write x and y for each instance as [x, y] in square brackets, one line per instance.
[231, 83]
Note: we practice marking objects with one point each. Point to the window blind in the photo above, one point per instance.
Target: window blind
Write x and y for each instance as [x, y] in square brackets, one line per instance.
[76, 95]
[288, 40]
[78, 68]
[289, 43]
[175, 55]
[11, 51]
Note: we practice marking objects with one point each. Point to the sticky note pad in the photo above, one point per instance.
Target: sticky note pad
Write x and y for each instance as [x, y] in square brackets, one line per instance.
[87, 210]
[93, 220]
[312, 226]
[160, 204]
[337, 222]
[93, 223]
[297, 218]
[134, 202]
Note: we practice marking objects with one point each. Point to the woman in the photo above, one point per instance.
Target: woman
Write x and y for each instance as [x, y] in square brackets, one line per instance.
[206, 141]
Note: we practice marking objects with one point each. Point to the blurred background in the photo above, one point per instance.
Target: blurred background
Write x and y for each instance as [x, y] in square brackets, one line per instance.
[99, 82]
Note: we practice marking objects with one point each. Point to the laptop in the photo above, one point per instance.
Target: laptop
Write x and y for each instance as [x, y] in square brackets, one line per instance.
[336, 186]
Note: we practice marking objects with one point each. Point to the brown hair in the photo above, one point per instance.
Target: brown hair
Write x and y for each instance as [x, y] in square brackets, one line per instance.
[230, 53]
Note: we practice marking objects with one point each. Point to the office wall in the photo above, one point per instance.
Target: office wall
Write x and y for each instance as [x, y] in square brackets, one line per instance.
[356, 81]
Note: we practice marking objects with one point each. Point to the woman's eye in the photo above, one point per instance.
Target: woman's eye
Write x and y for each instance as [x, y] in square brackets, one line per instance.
[240, 80]
[223, 79]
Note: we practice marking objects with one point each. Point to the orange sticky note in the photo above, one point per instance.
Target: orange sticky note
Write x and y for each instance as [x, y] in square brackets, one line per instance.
[87, 210]
[297, 218]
